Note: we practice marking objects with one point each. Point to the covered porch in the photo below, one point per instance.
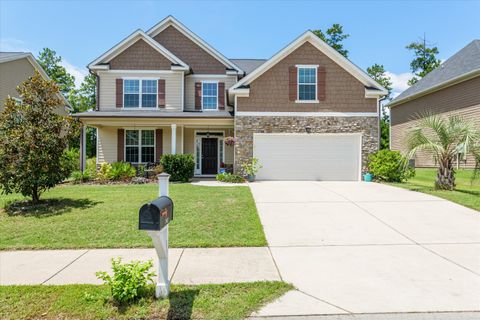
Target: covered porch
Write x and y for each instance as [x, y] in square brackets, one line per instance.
[142, 141]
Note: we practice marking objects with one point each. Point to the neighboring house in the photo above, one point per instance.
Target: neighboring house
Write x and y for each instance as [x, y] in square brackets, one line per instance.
[451, 89]
[307, 113]
[15, 68]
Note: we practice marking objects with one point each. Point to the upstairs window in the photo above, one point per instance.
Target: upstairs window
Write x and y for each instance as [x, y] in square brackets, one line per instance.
[139, 93]
[307, 83]
[209, 95]
[140, 146]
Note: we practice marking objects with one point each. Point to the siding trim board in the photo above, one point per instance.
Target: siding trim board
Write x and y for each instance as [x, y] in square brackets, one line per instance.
[128, 42]
[306, 114]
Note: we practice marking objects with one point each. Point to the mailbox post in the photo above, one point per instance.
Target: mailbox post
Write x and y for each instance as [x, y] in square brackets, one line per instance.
[154, 217]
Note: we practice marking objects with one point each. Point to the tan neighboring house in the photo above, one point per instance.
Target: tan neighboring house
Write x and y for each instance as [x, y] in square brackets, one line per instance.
[15, 68]
[451, 89]
[307, 113]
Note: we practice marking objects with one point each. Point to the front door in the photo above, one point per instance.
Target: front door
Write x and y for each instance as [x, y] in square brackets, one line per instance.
[209, 155]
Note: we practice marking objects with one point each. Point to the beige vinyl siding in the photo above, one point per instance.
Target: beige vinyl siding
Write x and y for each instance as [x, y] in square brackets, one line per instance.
[400, 131]
[106, 144]
[13, 73]
[190, 87]
[462, 99]
[173, 87]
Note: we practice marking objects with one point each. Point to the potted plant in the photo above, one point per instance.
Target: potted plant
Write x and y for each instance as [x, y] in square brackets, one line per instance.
[368, 177]
[230, 141]
[250, 168]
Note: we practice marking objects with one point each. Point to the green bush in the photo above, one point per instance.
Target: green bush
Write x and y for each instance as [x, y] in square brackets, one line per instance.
[121, 171]
[231, 178]
[390, 166]
[71, 159]
[79, 176]
[103, 173]
[179, 166]
[129, 281]
[91, 167]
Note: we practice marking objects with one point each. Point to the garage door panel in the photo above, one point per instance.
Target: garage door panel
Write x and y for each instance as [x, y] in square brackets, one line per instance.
[307, 157]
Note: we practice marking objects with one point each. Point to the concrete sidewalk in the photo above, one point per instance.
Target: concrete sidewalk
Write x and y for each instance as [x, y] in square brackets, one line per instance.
[186, 266]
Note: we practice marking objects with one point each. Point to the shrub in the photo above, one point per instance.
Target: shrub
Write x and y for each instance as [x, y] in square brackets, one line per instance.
[179, 166]
[121, 171]
[129, 281]
[231, 178]
[104, 171]
[390, 166]
[71, 159]
[251, 166]
[141, 170]
[79, 176]
[91, 167]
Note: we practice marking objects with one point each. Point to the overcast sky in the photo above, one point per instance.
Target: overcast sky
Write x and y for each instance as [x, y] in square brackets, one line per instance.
[80, 31]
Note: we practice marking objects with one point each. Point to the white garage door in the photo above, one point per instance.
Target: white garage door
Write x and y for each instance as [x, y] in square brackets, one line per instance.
[308, 156]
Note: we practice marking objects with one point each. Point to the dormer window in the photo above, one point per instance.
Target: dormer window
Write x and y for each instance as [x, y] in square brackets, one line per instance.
[209, 95]
[307, 83]
[140, 93]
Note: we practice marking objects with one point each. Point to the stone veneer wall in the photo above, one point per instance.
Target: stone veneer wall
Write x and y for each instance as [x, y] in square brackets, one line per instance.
[246, 126]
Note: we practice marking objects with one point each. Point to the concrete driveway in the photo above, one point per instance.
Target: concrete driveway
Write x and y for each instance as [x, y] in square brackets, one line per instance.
[355, 247]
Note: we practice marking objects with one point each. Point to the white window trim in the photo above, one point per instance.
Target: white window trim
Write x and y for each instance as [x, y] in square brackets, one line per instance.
[140, 94]
[216, 97]
[306, 66]
[140, 144]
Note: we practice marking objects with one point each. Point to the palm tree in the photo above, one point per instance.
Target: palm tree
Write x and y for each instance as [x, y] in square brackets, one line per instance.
[444, 138]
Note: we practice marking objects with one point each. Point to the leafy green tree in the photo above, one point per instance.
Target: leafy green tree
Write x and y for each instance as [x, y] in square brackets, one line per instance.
[334, 37]
[81, 100]
[33, 140]
[84, 98]
[444, 138]
[424, 61]
[50, 62]
[378, 73]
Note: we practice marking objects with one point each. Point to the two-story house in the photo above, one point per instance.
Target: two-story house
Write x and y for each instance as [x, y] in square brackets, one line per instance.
[307, 113]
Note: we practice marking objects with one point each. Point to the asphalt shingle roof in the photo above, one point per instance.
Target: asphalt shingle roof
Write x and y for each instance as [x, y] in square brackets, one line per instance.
[464, 61]
[8, 55]
[248, 65]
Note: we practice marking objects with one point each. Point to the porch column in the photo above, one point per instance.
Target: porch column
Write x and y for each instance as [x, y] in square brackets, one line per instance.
[174, 138]
[83, 148]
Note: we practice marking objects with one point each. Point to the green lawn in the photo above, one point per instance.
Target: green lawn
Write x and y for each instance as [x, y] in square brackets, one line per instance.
[106, 216]
[465, 193]
[228, 301]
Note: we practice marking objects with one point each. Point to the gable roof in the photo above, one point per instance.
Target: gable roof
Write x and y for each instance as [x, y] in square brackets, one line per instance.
[12, 56]
[171, 21]
[462, 66]
[100, 62]
[248, 65]
[310, 37]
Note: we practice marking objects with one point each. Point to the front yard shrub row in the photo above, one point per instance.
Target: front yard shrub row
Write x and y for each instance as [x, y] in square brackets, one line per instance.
[231, 178]
[390, 166]
[180, 167]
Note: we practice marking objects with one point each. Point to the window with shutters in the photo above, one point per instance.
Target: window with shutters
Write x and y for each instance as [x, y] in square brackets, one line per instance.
[139, 146]
[209, 95]
[140, 93]
[307, 84]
